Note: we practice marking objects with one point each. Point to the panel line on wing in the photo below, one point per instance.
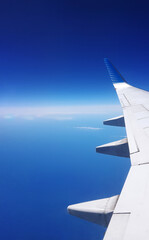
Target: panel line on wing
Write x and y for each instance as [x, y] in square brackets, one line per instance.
[127, 99]
[122, 213]
[135, 152]
[143, 163]
[142, 118]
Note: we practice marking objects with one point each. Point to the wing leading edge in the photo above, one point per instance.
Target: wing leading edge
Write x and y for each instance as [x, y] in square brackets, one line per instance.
[130, 215]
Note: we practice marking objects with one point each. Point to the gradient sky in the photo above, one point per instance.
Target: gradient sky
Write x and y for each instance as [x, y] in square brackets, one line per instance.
[52, 51]
[55, 93]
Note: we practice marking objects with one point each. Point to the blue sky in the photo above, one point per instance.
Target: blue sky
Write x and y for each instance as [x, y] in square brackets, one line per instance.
[52, 51]
[55, 93]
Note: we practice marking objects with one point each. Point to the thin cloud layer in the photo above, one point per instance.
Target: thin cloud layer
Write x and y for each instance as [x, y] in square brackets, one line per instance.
[89, 128]
[57, 113]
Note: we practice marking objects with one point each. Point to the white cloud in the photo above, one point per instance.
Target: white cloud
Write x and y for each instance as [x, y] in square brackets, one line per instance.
[30, 118]
[89, 128]
[59, 118]
[7, 116]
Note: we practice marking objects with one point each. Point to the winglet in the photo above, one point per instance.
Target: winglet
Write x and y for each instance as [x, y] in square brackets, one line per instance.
[115, 76]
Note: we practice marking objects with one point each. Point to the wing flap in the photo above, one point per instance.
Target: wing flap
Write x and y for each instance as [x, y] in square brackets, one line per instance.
[117, 229]
[133, 201]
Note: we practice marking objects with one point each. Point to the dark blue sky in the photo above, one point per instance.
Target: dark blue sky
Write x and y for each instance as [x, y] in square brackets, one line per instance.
[51, 52]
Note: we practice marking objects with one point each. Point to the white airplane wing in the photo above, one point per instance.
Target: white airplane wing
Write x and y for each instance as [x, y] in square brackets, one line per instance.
[126, 216]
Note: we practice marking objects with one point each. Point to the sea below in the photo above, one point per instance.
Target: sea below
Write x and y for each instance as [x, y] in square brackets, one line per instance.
[48, 164]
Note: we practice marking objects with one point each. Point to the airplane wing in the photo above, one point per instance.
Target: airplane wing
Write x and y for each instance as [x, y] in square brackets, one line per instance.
[127, 215]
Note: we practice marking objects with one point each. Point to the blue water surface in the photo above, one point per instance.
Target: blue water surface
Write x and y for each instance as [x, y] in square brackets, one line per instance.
[47, 164]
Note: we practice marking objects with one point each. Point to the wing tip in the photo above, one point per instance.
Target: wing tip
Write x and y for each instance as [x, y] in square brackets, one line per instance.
[114, 74]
